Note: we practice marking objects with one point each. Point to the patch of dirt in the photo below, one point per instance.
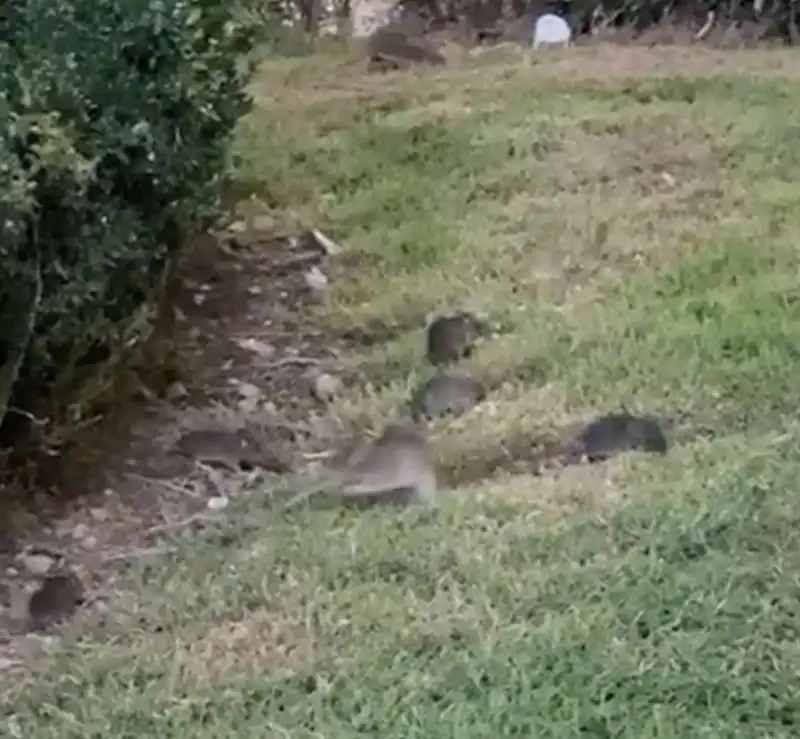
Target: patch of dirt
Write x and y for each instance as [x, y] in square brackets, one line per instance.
[518, 455]
[524, 454]
[249, 342]
[373, 333]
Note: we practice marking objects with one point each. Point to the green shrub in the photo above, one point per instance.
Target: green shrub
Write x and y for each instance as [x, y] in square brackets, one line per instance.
[114, 129]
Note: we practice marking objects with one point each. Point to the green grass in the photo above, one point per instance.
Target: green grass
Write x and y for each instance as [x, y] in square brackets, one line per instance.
[644, 598]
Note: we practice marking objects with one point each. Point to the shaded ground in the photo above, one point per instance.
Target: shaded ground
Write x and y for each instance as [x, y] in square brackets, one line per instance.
[250, 343]
[629, 216]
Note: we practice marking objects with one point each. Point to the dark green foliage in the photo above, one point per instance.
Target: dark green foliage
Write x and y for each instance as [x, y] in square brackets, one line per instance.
[114, 130]
[776, 19]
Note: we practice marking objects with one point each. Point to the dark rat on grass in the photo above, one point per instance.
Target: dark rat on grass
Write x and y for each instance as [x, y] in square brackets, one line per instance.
[615, 433]
[448, 392]
[453, 337]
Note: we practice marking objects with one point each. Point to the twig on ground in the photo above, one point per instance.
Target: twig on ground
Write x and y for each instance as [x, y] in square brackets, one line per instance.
[138, 553]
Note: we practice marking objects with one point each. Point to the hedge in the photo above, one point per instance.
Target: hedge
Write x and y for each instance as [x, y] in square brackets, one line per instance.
[115, 119]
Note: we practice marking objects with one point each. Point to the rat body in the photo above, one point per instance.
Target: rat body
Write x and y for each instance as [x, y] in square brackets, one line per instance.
[395, 467]
[615, 433]
[454, 337]
[232, 449]
[56, 599]
[447, 393]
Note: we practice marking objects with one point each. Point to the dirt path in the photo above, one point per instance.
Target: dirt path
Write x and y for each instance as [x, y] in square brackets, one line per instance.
[250, 339]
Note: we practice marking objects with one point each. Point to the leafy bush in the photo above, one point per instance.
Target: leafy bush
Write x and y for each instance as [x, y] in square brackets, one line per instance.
[114, 125]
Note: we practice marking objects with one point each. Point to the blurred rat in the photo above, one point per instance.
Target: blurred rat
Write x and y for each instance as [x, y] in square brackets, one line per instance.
[56, 599]
[454, 337]
[614, 433]
[232, 449]
[446, 393]
[395, 467]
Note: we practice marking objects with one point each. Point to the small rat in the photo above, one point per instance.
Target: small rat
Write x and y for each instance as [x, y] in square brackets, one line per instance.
[453, 337]
[617, 432]
[57, 598]
[395, 467]
[237, 449]
[447, 392]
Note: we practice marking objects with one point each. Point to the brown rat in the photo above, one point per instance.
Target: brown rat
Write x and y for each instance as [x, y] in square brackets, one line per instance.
[448, 392]
[234, 449]
[56, 599]
[614, 433]
[453, 337]
[395, 467]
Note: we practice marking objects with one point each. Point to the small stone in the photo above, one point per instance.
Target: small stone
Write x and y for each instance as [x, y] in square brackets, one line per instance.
[217, 503]
[248, 390]
[248, 406]
[176, 391]
[261, 348]
[99, 514]
[37, 564]
[89, 542]
[32, 645]
[316, 280]
[81, 531]
[263, 222]
[237, 227]
[326, 387]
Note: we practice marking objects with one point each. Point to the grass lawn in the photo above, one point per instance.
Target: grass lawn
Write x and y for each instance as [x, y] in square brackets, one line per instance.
[630, 216]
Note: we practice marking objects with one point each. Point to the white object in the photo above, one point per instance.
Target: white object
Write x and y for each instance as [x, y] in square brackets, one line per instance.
[315, 279]
[326, 386]
[551, 29]
[368, 16]
[331, 247]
